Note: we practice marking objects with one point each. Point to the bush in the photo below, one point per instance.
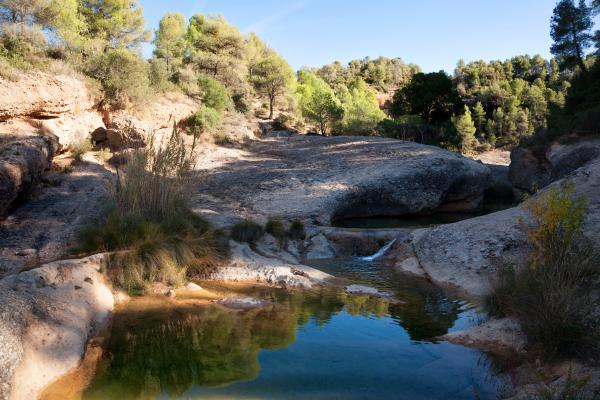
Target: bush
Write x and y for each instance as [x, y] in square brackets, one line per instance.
[159, 76]
[552, 294]
[240, 103]
[122, 74]
[276, 228]
[214, 94]
[223, 139]
[81, 146]
[149, 226]
[296, 231]
[206, 119]
[247, 231]
[282, 122]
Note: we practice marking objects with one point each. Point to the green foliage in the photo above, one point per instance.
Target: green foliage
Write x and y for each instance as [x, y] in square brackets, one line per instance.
[571, 31]
[272, 77]
[159, 76]
[149, 227]
[206, 119]
[552, 295]
[247, 231]
[296, 230]
[318, 102]
[512, 98]
[122, 74]
[466, 130]
[431, 96]
[216, 48]
[169, 39]
[113, 24]
[214, 94]
[381, 74]
[361, 110]
[276, 228]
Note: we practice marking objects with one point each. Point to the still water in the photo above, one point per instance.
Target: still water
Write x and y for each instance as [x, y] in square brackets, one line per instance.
[321, 344]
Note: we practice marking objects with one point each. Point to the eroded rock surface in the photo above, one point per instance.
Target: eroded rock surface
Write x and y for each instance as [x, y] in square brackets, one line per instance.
[42, 95]
[46, 315]
[22, 162]
[320, 179]
[44, 227]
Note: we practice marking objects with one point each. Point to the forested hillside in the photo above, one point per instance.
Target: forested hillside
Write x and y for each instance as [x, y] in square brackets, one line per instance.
[480, 106]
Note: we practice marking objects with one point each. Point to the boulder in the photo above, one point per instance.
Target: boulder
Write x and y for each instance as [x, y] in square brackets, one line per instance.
[22, 162]
[125, 131]
[530, 171]
[245, 265]
[46, 317]
[465, 255]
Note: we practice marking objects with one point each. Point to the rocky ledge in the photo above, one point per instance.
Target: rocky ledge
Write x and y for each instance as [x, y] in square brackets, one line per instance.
[320, 179]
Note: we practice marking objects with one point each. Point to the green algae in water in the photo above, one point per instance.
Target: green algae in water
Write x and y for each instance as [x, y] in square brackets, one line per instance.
[321, 344]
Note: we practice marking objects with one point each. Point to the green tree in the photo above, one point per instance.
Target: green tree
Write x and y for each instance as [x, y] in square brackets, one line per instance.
[122, 74]
[318, 102]
[214, 94]
[431, 96]
[217, 49]
[112, 24]
[570, 29]
[56, 16]
[169, 38]
[479, 117]
[466, 131]
[272, 77]
[361, 110]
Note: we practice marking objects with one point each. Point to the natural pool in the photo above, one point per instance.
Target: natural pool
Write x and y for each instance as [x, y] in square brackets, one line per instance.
[321, 344]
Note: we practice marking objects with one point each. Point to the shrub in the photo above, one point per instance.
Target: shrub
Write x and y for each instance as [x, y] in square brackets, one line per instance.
[159, 76]
[122, 74]
[206, 119]
[222, 139]
[214, 94]
[552, 294]
[296, 231]
[149, 226]
[276, 228]
[240, 103]
[247, 231]
[282, 122]
[81, 146]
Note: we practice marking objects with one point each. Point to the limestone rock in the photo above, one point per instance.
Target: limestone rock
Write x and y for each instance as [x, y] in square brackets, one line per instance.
[320, 179]
[319, 248]
[46, 316]
[22, 162]
[245, 265]
[125, 131]
[502, 337]
[42, 95]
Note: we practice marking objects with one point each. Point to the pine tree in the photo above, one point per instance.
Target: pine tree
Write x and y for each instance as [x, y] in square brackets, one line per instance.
[479, 118]
[170, 38]
[466, 130]
[570, 30]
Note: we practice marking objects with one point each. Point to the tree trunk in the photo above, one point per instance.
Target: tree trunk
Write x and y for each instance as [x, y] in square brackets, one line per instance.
[271, 102]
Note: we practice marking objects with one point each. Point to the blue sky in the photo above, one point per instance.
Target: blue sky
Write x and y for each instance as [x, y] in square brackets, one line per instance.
[432, 33]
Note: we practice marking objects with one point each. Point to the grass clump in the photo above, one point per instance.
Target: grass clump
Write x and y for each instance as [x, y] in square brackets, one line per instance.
[296, 230]
[149, 228]
[552, 295]
[81, 146]
[247, 231]
[276, 228]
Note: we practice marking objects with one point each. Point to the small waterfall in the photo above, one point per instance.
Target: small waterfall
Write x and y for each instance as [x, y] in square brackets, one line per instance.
[380, 252]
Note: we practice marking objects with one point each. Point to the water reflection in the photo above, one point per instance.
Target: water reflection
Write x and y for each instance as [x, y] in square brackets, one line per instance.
[308, 344]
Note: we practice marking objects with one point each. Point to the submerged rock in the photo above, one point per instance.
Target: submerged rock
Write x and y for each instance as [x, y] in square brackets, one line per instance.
[243, 303]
